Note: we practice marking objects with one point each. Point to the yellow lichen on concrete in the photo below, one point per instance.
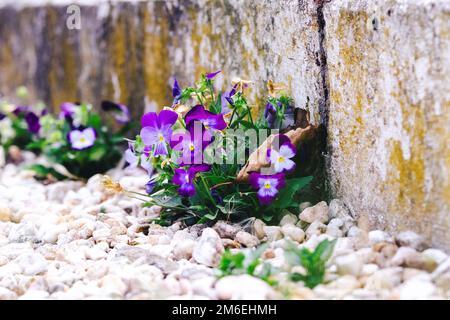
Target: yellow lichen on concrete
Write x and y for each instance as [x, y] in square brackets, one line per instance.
[62, 73]
[157, 67]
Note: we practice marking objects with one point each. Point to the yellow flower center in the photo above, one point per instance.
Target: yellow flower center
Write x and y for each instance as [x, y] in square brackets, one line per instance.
[281, 159]
[267, 185]
[82, 140]
[191, 147]
[161, 138]
[186, 177]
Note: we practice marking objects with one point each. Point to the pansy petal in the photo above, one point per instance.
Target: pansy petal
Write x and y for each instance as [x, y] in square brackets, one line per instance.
[211, 75]
[149, 119]
[220, 123]
[253, 179]
[288, 150]
[265, 199]
[32, 121]
[176, 91]
[196, 113]
[187, 190]
[166, 132]
[131, 158]
[90, 134]
[167, 118]
[150, 135]
[160, 149]
[193, 170]
[179, 176]
[146, 164]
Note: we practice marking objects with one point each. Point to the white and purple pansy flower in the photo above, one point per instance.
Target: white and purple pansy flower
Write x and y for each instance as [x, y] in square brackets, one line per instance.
[120, 111]
[185, 179]
[157, 130]
[268, 186]
[281, 153]
[82, 139]
[135, 160]
[208, 119]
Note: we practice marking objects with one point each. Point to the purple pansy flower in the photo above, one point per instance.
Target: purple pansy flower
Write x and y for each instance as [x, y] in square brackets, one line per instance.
[280, 156]
[176, 91]
[82, 139]
[191, 144]
[120, 111]
[208, 119]
[267, 185]
[211, 75]
[32, 121]
[185, 179]
[157, 130]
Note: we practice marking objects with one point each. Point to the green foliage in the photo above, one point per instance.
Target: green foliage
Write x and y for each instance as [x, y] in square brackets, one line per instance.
[313, 261]
[242, 263]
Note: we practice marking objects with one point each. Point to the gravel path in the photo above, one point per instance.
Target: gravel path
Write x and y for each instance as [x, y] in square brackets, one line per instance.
[70, 240]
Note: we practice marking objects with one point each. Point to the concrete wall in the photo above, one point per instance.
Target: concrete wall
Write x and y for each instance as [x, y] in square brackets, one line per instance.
[376, 73]
[130, 51]
[389, 112]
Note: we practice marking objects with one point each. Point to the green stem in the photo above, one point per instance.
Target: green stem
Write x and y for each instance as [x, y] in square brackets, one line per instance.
[207, 189]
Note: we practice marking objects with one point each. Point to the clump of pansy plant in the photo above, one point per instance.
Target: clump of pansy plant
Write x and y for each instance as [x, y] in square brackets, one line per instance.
[192, 170]
[18, 123]
[79, 140]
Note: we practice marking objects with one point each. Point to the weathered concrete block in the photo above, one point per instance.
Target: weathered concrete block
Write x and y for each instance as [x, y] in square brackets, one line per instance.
[389, 112]
[130, 52]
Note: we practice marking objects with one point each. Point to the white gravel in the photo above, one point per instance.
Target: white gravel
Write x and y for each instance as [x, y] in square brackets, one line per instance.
[70, 240]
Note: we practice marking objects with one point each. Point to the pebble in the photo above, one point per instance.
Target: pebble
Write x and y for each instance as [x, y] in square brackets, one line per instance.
[349, 264]
[273, 233]
[288, 218]
[316, 228]
[243, 287]
[411, 239]
[258, 229]
[247, 239]
[226, 230]
[416, 289]
[292, 232]
[319, 212]
[208, 249]
[377, 236]
[32, 263]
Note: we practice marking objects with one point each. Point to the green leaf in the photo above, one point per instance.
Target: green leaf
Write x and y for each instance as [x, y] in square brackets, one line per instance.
[165, 200]
[96, 153]
[285, 198]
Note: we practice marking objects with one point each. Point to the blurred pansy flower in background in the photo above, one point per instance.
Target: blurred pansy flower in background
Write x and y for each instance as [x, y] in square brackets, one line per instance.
[120, 111]
[82, 139]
